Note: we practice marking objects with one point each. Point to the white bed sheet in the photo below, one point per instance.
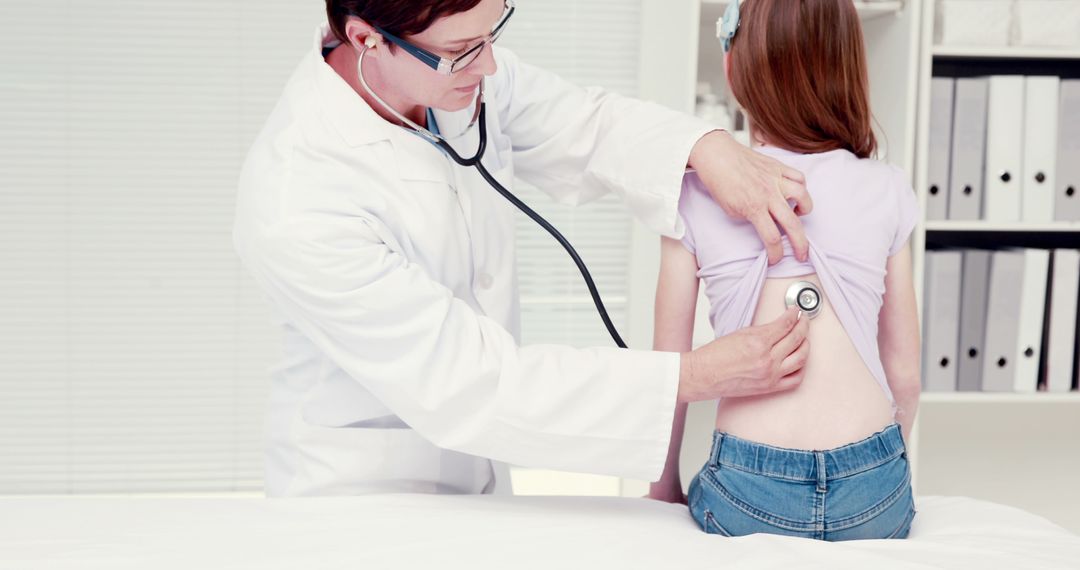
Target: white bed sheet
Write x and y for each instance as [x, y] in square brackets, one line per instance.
[437, 532]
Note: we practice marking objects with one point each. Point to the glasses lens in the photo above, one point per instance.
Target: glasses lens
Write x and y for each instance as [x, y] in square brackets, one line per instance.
[469, 57]
[497, 32]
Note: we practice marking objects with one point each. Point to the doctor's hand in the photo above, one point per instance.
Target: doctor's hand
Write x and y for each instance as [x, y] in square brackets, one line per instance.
[754, 360]
[755, 187]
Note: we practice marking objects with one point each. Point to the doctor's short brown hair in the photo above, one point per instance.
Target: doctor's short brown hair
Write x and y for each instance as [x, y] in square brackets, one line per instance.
[798, 69]
[399, 17]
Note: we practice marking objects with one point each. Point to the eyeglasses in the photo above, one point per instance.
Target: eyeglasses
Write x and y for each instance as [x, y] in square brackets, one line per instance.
[449, 66]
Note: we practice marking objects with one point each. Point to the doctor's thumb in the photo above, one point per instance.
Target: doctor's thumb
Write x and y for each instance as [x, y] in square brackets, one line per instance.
[783, 325]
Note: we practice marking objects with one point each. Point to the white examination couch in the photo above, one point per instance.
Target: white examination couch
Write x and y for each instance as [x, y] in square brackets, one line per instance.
[476, 532]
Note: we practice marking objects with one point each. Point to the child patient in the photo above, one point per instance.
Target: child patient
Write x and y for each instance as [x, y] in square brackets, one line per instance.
[826, 460]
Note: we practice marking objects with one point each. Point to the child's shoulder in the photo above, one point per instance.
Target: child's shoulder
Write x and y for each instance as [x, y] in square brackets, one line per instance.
[695, 194]
[692, 184]
[697, 200]
[867, 176]
[891, 182]
[699, 209]
[881, 169]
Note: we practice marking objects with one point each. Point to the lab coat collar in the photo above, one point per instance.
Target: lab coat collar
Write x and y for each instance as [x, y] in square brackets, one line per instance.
[359, 125]
[348, 114]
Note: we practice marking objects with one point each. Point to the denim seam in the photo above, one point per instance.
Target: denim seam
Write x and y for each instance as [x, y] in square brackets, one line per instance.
[821, 488]
[907, 522]
[765, 473]
[867, 467]
[710, 520]
[869, 514]
[714, 454]
[839, 476]
[820, 522]
[757, 514]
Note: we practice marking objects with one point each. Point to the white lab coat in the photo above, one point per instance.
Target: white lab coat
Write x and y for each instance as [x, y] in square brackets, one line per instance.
[391, 273]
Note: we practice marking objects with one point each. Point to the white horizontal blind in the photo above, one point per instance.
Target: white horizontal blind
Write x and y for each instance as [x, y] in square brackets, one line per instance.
[133, 348]
[589, 42]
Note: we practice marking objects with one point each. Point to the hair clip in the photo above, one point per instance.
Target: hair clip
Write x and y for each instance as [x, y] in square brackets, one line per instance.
[728, 25]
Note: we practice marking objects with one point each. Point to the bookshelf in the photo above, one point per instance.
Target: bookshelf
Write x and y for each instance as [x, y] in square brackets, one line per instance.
[1021, 449]
[981, 226]
[1008, 53]
[977, 398]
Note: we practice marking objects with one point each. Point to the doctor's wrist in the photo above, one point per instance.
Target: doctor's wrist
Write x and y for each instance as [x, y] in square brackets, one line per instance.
[708, 145]
[688, 385]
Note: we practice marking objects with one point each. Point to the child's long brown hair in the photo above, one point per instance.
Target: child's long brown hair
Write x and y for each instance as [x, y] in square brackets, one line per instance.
[798, 68]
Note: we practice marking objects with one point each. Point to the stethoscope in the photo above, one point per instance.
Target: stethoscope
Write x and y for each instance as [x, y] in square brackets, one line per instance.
[480, 115]
[803, 294]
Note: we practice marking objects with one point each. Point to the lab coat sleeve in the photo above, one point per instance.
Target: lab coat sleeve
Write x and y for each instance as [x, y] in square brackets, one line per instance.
[577, 144]
[456, 376]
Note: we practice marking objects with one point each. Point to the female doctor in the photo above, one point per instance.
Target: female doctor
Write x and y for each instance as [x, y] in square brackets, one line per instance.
[391, 269]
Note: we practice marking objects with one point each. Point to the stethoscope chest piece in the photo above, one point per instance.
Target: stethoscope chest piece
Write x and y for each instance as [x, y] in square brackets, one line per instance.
[805, 296]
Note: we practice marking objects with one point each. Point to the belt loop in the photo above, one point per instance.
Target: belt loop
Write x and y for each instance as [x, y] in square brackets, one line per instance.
[714, 459]
[822, 477]
[898, 437]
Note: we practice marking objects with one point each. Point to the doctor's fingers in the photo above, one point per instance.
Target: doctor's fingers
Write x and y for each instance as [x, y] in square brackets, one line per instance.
[786, 218]
[794, 363]
[790, 381]
[790, 342]
[793, 187]
[780, 328]
[769, 233]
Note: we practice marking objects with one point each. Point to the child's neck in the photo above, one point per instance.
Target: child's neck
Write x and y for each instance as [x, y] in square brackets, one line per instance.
[758, 139]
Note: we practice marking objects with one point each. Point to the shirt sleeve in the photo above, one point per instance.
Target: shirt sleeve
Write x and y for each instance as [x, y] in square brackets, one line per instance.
[907, 216]
[454, 375]
[686, 211]
[578, 144]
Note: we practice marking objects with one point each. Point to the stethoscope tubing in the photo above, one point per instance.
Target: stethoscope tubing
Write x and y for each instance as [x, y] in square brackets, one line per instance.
[598, 302]
[475, 161]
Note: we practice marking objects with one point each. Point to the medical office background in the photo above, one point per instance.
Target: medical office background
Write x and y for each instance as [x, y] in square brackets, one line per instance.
[135, 350]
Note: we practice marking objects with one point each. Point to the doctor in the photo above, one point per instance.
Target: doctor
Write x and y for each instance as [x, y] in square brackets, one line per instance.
[391, 269]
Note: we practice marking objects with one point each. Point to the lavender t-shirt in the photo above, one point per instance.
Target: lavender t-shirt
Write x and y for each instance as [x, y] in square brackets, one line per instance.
[864, 212]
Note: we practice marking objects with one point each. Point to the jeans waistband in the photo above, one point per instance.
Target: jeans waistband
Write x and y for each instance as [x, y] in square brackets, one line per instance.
[799, 465]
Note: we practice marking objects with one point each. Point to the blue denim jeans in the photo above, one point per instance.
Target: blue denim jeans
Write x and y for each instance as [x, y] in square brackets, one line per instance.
[858, 491]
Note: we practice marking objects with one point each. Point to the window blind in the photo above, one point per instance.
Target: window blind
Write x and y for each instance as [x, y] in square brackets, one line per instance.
[592, 42]
[134, 348]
